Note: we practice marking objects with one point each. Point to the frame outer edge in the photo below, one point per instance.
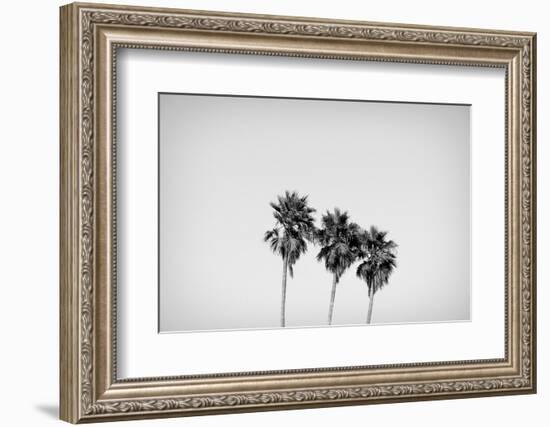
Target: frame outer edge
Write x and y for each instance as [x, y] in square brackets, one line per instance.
[534, 270]
[68, 225]
[296, 19]
[77, 339]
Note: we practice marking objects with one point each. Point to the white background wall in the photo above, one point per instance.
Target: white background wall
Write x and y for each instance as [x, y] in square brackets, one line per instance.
[29, 213]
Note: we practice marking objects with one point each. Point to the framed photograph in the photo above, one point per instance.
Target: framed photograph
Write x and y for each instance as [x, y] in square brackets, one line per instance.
[265, 212]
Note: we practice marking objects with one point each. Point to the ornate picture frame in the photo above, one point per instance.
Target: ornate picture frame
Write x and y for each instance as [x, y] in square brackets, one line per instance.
[90, 37]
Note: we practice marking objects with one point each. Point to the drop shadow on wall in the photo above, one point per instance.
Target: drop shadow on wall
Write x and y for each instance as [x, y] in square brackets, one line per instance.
[50, 410]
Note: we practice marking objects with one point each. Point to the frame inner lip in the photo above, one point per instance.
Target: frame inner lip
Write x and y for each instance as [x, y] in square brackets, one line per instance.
[330, 371]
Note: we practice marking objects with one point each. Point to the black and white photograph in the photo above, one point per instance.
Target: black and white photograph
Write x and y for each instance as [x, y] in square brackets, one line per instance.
[293, 212]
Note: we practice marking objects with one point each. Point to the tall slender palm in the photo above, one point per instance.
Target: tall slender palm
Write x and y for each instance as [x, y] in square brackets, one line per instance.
[378, 262]
[339, 242]
[294, 226]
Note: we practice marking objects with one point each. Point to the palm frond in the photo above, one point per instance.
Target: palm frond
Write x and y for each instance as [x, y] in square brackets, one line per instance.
[295, 226]
[379, 259]
[339, 242]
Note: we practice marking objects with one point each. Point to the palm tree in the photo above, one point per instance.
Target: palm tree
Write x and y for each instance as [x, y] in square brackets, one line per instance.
[294, 226]
[379, 262]
[339, 242]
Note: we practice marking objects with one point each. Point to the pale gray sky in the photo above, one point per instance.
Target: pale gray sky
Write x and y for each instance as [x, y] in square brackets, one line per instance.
[402, 167]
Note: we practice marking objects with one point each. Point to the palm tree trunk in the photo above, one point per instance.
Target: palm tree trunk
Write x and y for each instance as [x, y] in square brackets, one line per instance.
[369, 313]
[332, 295]
[283, 293]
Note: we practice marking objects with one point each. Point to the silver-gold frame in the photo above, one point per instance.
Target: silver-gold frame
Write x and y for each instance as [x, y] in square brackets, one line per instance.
[90, 37]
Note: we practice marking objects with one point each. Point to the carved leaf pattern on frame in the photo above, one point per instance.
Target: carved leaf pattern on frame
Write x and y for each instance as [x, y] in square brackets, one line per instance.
[89, 18]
